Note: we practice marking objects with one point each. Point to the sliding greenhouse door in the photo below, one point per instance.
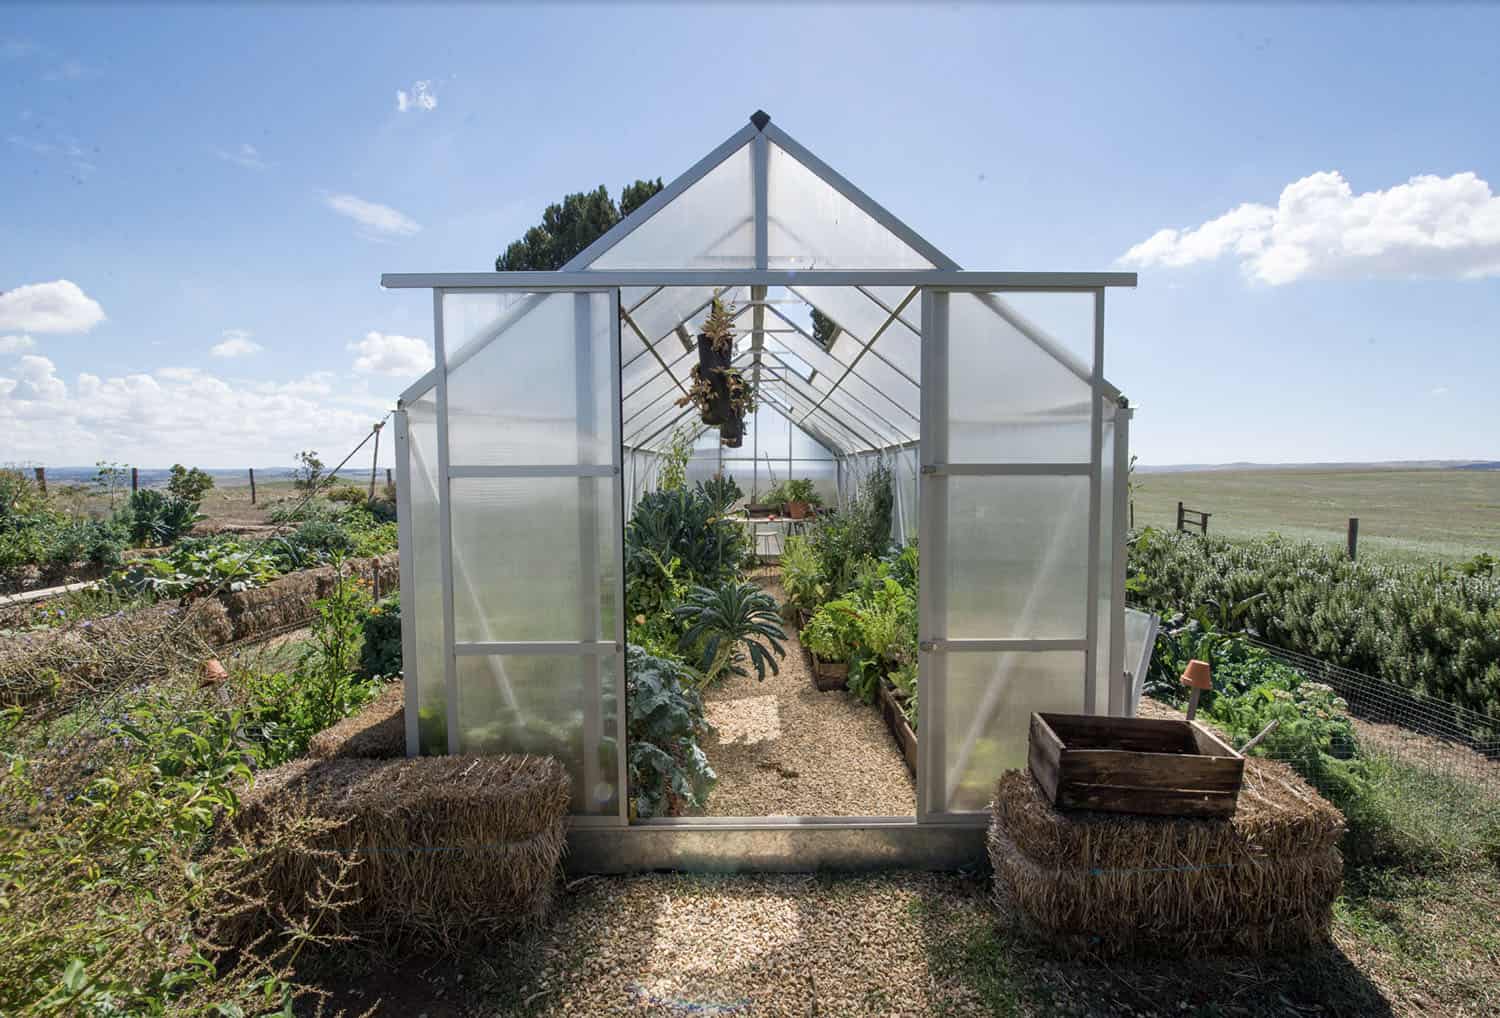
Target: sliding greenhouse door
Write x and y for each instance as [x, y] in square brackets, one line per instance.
[529, 447]
[1008, 477]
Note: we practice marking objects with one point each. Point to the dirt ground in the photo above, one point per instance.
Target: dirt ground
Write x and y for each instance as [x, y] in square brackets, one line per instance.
[782, 748]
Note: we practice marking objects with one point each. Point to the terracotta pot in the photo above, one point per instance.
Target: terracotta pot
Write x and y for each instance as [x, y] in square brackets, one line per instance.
[1198, 675]
[212, 673]
[797, 510]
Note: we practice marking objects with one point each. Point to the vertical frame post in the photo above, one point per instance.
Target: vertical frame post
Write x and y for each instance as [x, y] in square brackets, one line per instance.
[407, 564]
[589, 588]
[616, 427]
[1096, 469]
[932, 566]
[1119, 704]
[445, 527]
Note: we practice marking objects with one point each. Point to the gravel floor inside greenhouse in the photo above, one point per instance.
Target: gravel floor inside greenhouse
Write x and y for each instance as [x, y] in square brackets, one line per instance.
[782, 748]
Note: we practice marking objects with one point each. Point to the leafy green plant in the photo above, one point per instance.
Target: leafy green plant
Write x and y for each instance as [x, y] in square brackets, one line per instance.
[721, 492]
[684, 525]
[327, 666]
[833, 631]
[801, 490]
[801, 575]
[672, 475]
[719, 622]
[904, 679]
[668, 770]
[197, 565]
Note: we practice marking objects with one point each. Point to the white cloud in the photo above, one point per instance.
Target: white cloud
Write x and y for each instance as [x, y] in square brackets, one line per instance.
[382, 354]
[1439, 390]
[1429, 227]
[419, 98]
[236, 343]
[59, 306]
[378, 220]
[178, 414]
[245, 155]
[16, 344]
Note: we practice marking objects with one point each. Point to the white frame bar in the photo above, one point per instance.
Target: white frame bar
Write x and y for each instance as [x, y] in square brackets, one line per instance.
[445, 529]
[595, 279]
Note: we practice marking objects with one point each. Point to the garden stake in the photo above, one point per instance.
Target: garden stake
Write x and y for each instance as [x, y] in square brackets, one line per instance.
[1197, 675]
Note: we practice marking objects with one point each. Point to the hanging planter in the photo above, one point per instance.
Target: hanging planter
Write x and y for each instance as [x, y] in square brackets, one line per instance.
[720, 392]
[732, 432]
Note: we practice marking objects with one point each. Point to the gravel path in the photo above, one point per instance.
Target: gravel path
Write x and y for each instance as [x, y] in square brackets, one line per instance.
[757, 946]
[781, 748]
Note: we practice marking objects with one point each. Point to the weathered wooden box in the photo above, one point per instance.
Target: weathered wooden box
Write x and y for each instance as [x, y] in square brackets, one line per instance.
[1134, 765]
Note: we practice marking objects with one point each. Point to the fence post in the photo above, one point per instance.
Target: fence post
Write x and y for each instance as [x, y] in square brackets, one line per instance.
[1353, 536]
[135, 480]
[374, 460]
[388, 482]
[252, 485]
[41, 479]
[1180, 524]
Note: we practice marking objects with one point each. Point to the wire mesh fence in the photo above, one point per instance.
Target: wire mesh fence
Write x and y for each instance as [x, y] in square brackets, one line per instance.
[1456, 749]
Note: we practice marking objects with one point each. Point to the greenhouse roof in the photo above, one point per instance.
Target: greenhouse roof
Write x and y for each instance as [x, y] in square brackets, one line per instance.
[762, 208]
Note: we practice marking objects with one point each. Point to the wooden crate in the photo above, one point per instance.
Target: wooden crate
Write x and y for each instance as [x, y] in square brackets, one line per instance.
[1134, 765]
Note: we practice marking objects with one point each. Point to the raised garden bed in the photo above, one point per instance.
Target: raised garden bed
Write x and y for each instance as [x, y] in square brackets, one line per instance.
[1134, 765]
[828, 675]
[895, 720]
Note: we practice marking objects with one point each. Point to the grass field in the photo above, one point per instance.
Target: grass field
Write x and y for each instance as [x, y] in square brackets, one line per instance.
[1449, 514]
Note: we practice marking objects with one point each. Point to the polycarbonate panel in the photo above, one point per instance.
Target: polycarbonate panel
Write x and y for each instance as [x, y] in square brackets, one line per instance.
[1067, 319]
[805, 447]
[541, 391]
[533, 559]
[1017, 557]
[425, 557]
[861, 319]
[813, 226]
[475, 316]
[660, 315]
[711, 225]
[987, 714]
[1138, 652]
[1009, 401]
[561, 706]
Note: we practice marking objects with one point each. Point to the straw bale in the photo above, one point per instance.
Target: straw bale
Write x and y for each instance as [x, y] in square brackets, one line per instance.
[1277, 815]
[443, 848]
[377, 732]
[1262, 880]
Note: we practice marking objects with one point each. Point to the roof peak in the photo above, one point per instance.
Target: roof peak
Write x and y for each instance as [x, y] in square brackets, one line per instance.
[760, 118]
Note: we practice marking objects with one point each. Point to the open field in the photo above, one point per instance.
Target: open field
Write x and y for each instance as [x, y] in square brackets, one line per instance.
[1449, 514]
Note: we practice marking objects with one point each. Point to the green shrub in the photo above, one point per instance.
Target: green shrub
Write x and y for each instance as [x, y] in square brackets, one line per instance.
[35, 534]
[189, 485]
[380, 651]
[862, 531]
[324, 537]
[348, 494]
[1432, 628]
[801, 490]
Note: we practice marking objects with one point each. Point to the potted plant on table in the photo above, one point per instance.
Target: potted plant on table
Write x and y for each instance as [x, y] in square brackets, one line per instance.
[800, 495]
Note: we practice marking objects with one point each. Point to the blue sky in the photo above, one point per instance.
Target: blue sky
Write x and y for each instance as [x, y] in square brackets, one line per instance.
[239, 178]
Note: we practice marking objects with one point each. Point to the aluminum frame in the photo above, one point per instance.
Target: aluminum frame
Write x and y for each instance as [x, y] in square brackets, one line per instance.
[934, 831]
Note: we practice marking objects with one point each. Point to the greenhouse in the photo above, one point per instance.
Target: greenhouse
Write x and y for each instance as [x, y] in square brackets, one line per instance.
[571, 412]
